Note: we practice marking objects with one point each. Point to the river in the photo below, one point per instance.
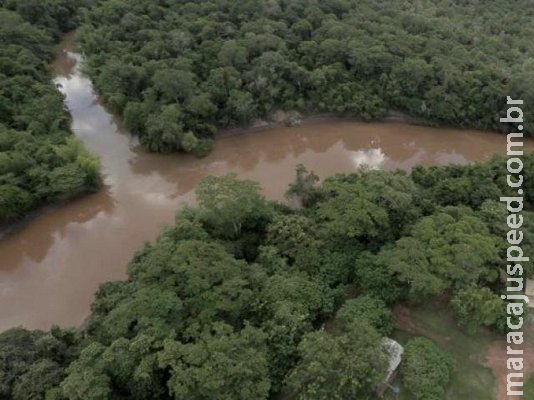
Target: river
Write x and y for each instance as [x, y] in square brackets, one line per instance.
[51, 266]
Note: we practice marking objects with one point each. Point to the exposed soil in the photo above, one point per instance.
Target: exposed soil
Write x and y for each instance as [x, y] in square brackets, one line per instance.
[496, 360]
[405, 322]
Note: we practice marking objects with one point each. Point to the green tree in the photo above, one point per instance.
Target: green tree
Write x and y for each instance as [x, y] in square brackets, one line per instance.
[34, 362]
[427, 369]
[86, 377]
[40, 161]
[448, 248]
[370, 206]
[305, 189]
[369, 309]
[230, 205]
[338, 367]
[311, 298]
[295, 238]
[164, 131]
[222, 365]
[475, 307]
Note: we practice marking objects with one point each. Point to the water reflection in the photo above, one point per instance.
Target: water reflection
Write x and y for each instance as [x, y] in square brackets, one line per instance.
[50, 269]
[372, 158]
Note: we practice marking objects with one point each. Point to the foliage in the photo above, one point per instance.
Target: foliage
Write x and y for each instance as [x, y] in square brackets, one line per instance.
[39, 159]
[443, 250]
[370, 207]
[221, 365]
[230, 206]
[179, 70]
[339, 367]
[56, 16]
[305, 189]
[376, 279]
[227, 302]
[32, 362]
[294, 236]
[476, 307]
[369, 309]
[235, 212]
[427, 369]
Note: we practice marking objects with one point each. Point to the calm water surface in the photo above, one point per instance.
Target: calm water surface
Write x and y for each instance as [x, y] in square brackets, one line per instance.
[50, 269]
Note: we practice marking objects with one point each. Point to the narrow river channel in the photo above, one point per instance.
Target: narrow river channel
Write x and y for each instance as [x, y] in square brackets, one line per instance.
[51, 266]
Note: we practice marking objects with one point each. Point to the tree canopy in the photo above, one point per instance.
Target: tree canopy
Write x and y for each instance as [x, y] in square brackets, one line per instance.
[228, 303]
[427, 369]
[237, 299]
[179, 70]
[40, 161]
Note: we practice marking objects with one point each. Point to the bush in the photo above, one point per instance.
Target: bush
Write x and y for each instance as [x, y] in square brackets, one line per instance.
[369, 309]
[427, 369]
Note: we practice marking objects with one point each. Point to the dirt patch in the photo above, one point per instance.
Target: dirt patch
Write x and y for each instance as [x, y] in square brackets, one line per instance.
[405, 321]
[496, 360]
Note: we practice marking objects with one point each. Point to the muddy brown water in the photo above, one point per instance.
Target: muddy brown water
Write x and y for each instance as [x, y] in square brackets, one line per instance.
[51, 267]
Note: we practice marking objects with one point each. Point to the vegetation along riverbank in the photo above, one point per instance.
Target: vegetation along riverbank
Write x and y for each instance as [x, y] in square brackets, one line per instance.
[245, 294]
[178, 71]
[40, 160]
[227, 302]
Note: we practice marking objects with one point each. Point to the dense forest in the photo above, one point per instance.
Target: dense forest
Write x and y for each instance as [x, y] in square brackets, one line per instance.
[242, 297]
[178, 70]
[229, 302]
[40, 161]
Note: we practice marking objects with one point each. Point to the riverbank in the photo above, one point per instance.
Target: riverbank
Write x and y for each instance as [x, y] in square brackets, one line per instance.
[41, 163]
[51, 267]
[9, 227]
[65, 65]
[296, 118]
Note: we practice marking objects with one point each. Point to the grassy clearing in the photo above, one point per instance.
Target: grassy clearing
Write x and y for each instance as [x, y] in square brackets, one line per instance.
[471, 380]
[528, 391]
